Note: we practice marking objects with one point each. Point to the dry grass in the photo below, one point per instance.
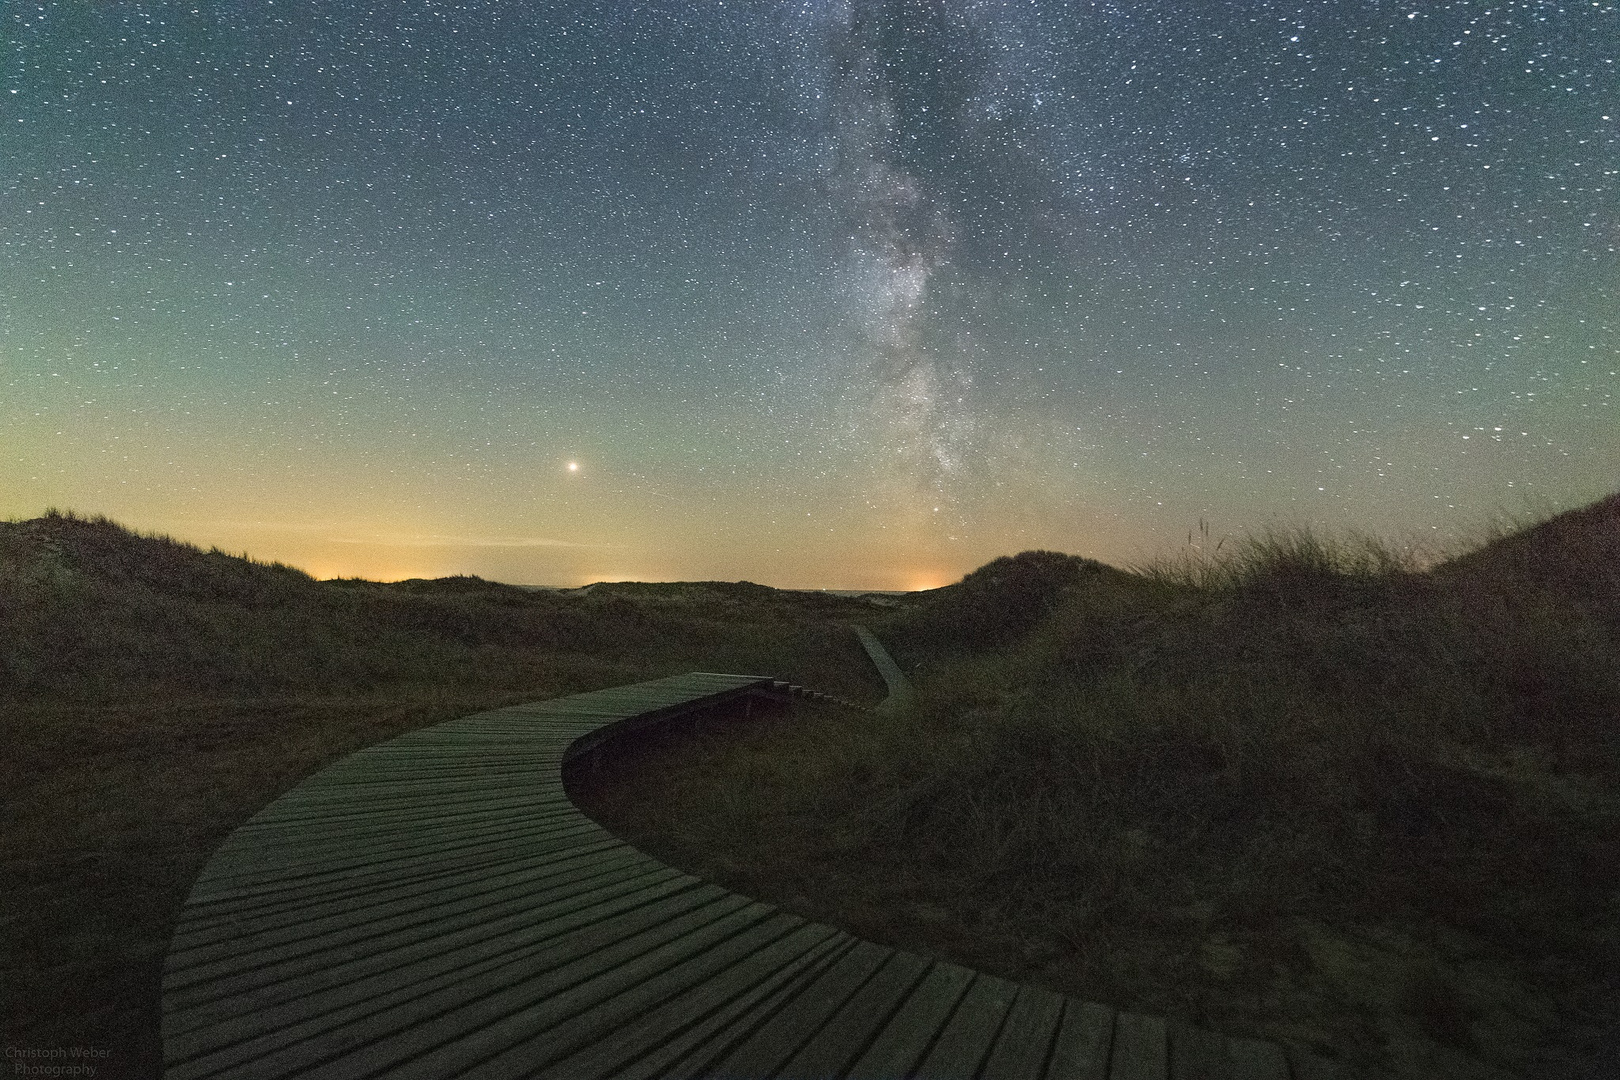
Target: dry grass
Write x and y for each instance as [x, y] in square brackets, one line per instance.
[1305, 791]
[154, 696]
[1302, 789]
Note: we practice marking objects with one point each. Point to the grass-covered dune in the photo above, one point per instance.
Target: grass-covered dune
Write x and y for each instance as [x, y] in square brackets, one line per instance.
[93, 611]
[1300, 789]
[153, 696]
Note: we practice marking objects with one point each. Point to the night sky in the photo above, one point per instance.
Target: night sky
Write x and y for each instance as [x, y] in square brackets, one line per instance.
[822, 294]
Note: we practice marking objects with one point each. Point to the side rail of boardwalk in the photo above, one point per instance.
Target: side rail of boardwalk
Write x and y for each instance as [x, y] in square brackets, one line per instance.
[434, 906]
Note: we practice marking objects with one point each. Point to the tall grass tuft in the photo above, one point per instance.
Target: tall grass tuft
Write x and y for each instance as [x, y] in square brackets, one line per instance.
[1311, 788]
[1282, 553]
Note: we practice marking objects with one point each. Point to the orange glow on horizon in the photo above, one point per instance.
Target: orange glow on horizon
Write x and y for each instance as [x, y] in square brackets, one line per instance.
[560, 547]
[923, 580]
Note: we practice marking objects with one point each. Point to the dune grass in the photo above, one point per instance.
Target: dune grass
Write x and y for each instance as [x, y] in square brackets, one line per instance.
[1303, 788]
[1300, 789]
[153, 696]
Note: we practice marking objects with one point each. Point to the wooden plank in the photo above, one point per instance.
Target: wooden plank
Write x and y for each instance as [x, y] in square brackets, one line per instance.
[534, 738]
[1141, 1048]
[417, 892]
[1025, 1042]
[597, 1019]
[320, 833]
[344, 804]
[461, 753]
[634, 697]
[238, 850]
[1084, 1041]
[311, 910]
[334, 937]
[440, 992]
[284, 878]
[534, 751]
[908, 1035]
[488, 900]
[241, 872]
[696, 1059]
[325, 845]
[697, 1056]
[538, 758]
[765, 1051]
[240, 903]
[387, 836]
[263, 1038]
[846, 1035]
[654, 1044]
[359, 790]
[465, 1039]
[301, 971]
[965, 1041]
[347, 804]
[444, 765]
[464, 754]
[341, 798]
[534, 756]
[358, 847]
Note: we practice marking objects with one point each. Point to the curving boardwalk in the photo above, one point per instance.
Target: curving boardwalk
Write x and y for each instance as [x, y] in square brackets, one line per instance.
[433, 906]
[899, 687]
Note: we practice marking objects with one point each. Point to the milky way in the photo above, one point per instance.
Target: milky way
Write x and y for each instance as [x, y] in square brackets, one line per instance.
[811, 293]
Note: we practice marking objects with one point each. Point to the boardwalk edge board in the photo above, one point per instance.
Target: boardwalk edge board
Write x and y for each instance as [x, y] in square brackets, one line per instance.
[361, 891]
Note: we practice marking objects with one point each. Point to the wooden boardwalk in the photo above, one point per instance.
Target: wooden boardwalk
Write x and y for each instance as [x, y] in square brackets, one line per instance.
[434, 906]
[899, 687]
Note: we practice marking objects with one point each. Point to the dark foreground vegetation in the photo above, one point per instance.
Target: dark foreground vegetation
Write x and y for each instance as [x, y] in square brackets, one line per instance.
[1304, 791]
[153, 696]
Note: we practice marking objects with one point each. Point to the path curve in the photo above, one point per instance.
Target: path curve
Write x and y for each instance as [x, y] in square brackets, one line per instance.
[434, 906]
[901, 693]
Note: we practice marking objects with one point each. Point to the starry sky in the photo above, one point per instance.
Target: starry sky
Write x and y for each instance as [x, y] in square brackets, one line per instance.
[814, 293]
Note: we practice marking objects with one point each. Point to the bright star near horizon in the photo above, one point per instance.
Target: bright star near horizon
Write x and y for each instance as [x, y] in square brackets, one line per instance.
[573, 466]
